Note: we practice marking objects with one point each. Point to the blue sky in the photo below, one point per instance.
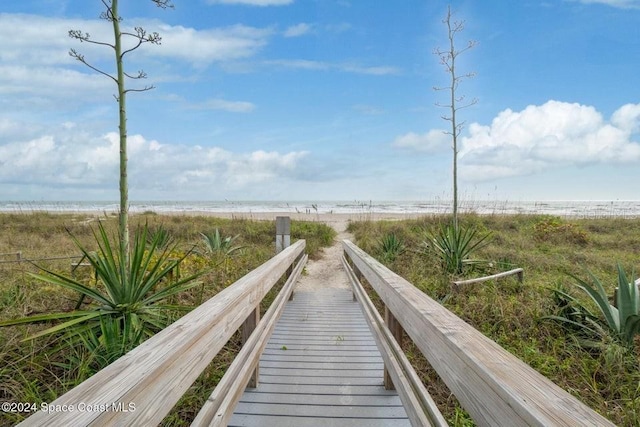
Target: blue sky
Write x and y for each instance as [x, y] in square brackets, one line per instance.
[324, 100]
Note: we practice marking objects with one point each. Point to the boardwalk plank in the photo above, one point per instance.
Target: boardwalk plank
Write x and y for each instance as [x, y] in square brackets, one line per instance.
[304, 410]
[328, 399]
[321, 367]
[250, 420]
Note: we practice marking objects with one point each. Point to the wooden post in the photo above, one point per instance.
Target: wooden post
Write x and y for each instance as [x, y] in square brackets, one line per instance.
[283, 239]
[248, 327]
[615, 293]
[283, 233]
[359, 276]
[396, 330]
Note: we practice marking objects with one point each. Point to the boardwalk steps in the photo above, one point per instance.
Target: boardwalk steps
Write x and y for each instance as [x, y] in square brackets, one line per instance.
[321, 367]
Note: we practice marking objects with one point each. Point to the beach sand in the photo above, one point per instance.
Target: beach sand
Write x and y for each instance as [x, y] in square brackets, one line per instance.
[326, 271]
[338, 221]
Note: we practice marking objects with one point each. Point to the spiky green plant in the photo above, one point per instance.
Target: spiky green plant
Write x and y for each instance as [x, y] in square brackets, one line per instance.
[391, 247]
[214, 243]
[622, 320]
[161, 235]
[577, 319]
[455, 245]
[127, 304]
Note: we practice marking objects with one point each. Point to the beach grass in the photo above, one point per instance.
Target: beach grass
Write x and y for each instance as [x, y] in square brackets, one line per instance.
[548, 249]
[36, 371]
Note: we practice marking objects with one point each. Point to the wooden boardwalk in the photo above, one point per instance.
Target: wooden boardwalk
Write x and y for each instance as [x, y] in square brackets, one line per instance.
[321, 367]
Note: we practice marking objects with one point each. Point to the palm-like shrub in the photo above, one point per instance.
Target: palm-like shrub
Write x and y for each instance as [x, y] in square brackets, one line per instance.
[214, 243]
[455, 245]
[622, 320]
[128, 303]
[391, 247]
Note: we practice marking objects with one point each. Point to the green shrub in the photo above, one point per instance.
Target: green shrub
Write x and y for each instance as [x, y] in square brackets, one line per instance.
[454, 246]
[554, 230]
[391, 247]
[125, 306]
[622, 321]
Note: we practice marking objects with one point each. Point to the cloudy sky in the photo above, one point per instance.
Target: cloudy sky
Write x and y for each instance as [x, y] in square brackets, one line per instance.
[323, 100]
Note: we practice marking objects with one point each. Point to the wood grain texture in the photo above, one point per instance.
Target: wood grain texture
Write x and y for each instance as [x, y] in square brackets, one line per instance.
[420, 407]
[321, 367]
[495, 387]
[154, 375]
[219, 406]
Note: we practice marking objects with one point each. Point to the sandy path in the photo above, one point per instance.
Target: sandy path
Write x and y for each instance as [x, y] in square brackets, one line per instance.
[327, 272]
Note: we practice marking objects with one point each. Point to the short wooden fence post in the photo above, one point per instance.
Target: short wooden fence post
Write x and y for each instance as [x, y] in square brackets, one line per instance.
[248, 327]
[283, 233]
[283, 239]
[396, 330]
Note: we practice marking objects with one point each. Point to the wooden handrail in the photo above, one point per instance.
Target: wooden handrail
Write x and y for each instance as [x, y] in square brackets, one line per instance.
[494, 386]
[420, 407]
[141, 387]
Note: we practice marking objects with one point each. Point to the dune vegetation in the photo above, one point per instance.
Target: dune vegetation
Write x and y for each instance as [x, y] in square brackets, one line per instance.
[560, 257]
[216, 252]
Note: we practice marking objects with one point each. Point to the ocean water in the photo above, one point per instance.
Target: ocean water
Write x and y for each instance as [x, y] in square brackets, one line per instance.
[580, 209]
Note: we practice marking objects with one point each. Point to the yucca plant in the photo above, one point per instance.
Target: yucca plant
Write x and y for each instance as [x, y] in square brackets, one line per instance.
[455, 245]
[161, 235]
[127, 304]
[577, 319]
[391, 247]
[214, 243]
[622, 320]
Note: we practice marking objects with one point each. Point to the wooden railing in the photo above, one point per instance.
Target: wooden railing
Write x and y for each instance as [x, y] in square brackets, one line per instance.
[495, 387]
[142, 387]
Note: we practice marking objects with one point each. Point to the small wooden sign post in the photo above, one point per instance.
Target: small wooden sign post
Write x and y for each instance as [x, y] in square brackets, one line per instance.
[283, 233]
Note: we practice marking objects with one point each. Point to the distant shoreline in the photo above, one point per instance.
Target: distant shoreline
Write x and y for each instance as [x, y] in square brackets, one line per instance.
[373, 210]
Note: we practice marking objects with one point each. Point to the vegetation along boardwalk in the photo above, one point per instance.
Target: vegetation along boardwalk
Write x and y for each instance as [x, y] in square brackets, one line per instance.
[321, 358]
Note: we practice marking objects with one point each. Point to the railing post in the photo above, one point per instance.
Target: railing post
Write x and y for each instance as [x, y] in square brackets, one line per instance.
[248, 327]
[283, 239]
[396, 330]
[359, 276]
[283, 233]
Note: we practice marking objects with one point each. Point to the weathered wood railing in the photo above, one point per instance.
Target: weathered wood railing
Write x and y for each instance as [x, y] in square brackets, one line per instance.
[495, 387]
[141, 387]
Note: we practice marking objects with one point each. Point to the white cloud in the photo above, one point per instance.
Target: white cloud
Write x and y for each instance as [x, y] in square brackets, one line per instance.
[44, 41]
[253, 2]
[376, 71]
[224, 105]
[432, 141]
[298, 30]
[77, 159]
[202, 47]
[320, 65]
[554, 134]
[622, 4]
[299, 63]
[627, 118]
